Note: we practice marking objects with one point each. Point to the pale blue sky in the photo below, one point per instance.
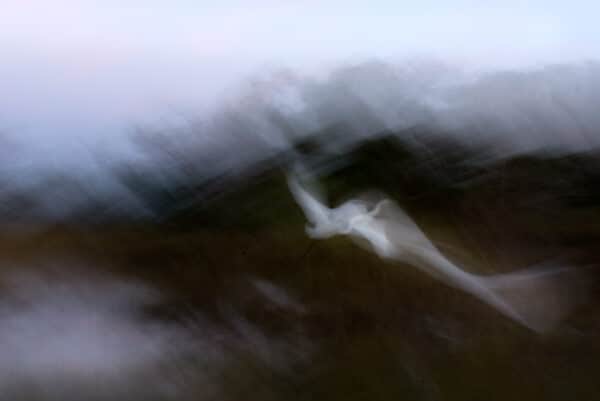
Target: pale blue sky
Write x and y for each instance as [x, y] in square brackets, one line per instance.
[79, 72]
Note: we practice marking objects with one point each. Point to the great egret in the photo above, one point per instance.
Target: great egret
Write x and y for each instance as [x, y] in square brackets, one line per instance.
[392, 234]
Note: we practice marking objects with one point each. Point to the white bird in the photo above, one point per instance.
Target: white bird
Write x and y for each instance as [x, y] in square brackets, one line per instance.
[392, 234]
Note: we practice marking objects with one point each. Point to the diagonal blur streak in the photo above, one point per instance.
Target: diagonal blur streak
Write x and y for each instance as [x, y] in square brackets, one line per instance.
[531, 297]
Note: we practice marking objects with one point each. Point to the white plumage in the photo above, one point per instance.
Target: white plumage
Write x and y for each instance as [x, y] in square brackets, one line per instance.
[392, 234]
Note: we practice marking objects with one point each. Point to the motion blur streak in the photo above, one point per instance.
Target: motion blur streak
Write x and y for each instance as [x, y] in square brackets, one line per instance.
[177, 267]
[392, 234]
[67, 336]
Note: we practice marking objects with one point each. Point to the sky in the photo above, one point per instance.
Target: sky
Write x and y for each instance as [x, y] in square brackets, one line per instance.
[80, 74]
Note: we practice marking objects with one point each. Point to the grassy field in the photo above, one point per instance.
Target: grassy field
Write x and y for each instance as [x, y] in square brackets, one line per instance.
[352, 326]
[274, 315]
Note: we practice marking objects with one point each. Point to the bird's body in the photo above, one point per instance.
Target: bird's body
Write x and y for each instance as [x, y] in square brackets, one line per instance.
[392, 234]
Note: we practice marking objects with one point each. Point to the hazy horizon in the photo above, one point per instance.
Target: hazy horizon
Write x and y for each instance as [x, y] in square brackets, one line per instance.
[81, 76]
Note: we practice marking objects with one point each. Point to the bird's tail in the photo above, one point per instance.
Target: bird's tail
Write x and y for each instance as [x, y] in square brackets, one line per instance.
[538, 297]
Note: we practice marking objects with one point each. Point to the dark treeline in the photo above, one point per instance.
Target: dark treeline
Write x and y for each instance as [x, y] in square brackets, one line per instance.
[437, 174]
[423, 134]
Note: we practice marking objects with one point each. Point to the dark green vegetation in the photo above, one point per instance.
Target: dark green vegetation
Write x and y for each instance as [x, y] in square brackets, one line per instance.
[376, 330]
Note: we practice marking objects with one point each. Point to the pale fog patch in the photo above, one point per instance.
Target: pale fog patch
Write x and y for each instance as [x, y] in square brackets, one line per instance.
[69, 337]
[277, 295]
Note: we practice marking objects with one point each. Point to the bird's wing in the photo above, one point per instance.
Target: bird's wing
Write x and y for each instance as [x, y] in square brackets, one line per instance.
[314, 209]
[400, 228]
[537, 298]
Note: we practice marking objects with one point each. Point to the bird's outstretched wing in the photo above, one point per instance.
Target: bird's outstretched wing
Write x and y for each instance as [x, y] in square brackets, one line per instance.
[538, 298]
[313, 207]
